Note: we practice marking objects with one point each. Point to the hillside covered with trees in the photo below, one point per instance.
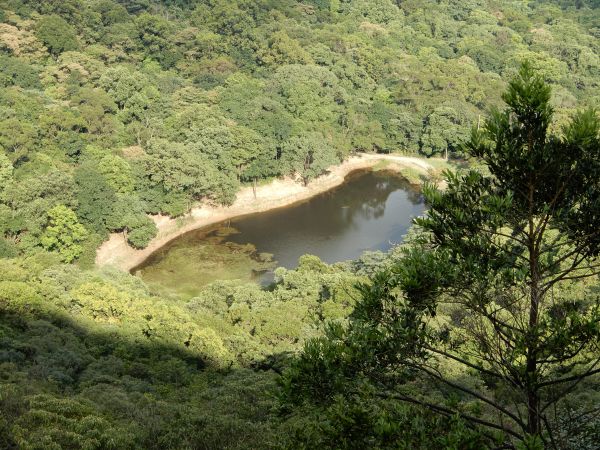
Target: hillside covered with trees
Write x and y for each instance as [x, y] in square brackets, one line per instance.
[114, 110]
[118, 109]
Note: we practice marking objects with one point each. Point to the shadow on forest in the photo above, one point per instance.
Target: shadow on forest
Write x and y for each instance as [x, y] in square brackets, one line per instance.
[148, 393]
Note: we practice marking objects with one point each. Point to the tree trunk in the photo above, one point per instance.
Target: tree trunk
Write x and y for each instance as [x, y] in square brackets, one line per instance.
[533, 413]
[533, 400]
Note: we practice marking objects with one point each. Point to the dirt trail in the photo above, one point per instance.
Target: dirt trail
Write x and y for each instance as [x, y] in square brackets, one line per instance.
[116, 252]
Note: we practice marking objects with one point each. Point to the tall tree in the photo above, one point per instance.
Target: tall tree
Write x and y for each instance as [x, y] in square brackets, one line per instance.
[64, 234]
[95, 196]
[485, 287]
[308, 155]
[56, 34]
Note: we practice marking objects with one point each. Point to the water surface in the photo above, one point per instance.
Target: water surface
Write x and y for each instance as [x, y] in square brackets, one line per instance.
[370, 211]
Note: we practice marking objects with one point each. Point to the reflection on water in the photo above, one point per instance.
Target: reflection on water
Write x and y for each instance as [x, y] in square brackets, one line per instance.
[371, 211]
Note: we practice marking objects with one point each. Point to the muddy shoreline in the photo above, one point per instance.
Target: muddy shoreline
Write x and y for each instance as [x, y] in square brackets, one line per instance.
[280, 193]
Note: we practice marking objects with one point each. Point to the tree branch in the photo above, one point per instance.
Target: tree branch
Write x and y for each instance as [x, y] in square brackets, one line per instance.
[571, 378]
[466, 390]
[468, 364]
[449, 412]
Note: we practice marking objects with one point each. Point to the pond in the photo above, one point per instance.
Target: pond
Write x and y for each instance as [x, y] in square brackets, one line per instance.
[371, 210]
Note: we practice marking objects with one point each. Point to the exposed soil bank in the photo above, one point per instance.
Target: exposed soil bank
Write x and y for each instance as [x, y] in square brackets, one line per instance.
[116, 252]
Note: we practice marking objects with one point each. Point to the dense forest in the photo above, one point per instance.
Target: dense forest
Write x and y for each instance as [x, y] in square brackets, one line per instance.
[480, 331]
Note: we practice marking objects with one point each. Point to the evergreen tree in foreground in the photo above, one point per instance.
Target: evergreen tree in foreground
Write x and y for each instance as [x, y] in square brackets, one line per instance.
[487, 317]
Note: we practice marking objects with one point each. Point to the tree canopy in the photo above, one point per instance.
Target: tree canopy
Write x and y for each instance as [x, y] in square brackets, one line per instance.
[480, 331]
[63, 233]
[236, 92]
[482, 305]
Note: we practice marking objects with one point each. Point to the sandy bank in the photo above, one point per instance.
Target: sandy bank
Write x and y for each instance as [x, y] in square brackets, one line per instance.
[116, 252]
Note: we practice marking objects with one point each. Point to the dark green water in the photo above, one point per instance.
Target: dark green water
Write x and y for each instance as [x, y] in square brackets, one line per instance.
[370, 211]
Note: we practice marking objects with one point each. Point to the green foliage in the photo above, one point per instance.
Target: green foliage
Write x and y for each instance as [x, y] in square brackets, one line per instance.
[443, 131]
[47, 418]
[226, 94]
[63, 233]
[307, 155]
[149, 107]
[17, 139]
[56, 34]
[481, 307]
[140, 230]
[282, 49]
[93, 358]
[154, 34]
[96, 198]
[7, 249]
[121, 84]
[177, 168]
[117, 172]
[14, 72]
[358, 423]
[6, 171]
[95, 108]
[25, 204]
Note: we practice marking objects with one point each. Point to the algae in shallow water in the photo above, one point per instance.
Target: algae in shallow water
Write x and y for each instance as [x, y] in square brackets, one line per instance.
[202, 258]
